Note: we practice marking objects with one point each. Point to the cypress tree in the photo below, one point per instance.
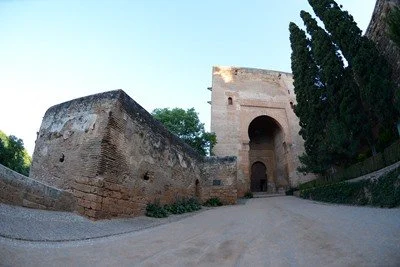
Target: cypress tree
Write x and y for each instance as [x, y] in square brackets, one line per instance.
[393, 21]
[370, 69]
[310, 108]
[347, 124]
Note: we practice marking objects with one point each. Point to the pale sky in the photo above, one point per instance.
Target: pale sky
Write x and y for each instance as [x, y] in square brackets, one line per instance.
[160, 52]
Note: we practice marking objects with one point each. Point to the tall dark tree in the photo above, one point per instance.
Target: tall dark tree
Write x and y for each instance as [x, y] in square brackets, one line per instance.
[393, 21]
[311, 103]
[347, 124]
[371, 71]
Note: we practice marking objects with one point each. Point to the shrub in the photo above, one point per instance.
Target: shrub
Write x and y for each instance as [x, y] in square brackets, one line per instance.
[213, 202]
[384, 192]
[183, 206]
[180, 206]
[248, 195]
[156, 210]
[290, 191]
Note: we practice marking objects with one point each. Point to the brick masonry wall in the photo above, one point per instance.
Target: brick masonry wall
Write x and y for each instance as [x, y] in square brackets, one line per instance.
[17, 189]
[117, 158]
[219, 179]
[68, 145]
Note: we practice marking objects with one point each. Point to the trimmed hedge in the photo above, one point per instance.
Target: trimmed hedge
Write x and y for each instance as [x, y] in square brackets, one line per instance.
[383, 192]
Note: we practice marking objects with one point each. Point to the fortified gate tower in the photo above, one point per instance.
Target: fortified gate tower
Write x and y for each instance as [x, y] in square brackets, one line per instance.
[253, 118]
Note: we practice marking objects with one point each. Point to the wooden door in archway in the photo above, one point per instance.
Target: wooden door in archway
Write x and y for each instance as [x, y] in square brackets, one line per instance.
[258, 177]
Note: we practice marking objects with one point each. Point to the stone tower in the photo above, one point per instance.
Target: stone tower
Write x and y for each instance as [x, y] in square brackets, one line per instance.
[253, 118]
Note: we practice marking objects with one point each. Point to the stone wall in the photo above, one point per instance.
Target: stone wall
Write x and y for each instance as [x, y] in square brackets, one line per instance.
[219, 179]
[115, 158]
[17, 189]
[377, 32]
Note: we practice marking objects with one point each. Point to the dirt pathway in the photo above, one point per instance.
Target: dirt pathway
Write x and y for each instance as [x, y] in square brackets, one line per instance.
[278, 231]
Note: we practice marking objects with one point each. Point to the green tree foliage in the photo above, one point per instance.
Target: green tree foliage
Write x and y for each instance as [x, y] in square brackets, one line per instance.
[187, 126]
[310, 95]
[343, 108]
[371, 71]
[393, 21]
[13, 154]
[347, 124]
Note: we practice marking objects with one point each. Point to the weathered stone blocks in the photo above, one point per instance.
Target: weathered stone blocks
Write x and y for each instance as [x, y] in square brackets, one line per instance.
[115, 158]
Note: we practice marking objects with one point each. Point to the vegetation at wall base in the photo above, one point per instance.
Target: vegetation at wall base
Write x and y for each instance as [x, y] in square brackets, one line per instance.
[181, 206]
[248, 195]
[290, 191]
[388, 157]
[213, 202]
[383, 192]
[156, 210]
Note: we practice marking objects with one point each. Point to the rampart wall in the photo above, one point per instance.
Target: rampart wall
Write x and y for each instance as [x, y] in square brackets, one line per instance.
[115, 158]
[17, 189]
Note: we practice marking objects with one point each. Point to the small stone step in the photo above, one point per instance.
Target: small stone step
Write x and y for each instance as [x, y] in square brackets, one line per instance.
[265, 194]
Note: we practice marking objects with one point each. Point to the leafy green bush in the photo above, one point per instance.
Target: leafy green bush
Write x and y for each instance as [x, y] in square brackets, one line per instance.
[248, 195]
[213, 202]
[384, 192]
[290, 191]
[156, 210]
[183, 206]
[180, 206]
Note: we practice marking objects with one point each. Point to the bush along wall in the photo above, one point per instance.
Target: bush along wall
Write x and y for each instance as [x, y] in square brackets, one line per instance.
[381, 160]
[383, 192]
[180, 206]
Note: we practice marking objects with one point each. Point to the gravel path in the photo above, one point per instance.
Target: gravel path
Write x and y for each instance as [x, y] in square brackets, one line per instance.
[279, 231]
[54, 226]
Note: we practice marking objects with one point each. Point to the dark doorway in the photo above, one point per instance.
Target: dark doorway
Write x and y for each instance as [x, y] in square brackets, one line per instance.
[258, 177]
[197, 189]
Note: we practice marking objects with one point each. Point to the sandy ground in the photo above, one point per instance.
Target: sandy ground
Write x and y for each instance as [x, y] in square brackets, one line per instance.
[278, 231]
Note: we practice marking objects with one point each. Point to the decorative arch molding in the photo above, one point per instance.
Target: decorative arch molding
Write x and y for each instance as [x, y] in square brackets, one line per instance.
[277, 114]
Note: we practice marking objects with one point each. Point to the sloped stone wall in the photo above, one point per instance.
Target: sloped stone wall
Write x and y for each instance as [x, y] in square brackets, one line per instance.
[17, 189]
[115, 158]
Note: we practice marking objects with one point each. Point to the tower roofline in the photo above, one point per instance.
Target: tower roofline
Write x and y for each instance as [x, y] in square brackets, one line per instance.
[246, 69]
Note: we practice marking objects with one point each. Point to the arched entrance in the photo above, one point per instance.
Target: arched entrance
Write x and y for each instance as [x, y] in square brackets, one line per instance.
[258, 181]
[267, 155]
